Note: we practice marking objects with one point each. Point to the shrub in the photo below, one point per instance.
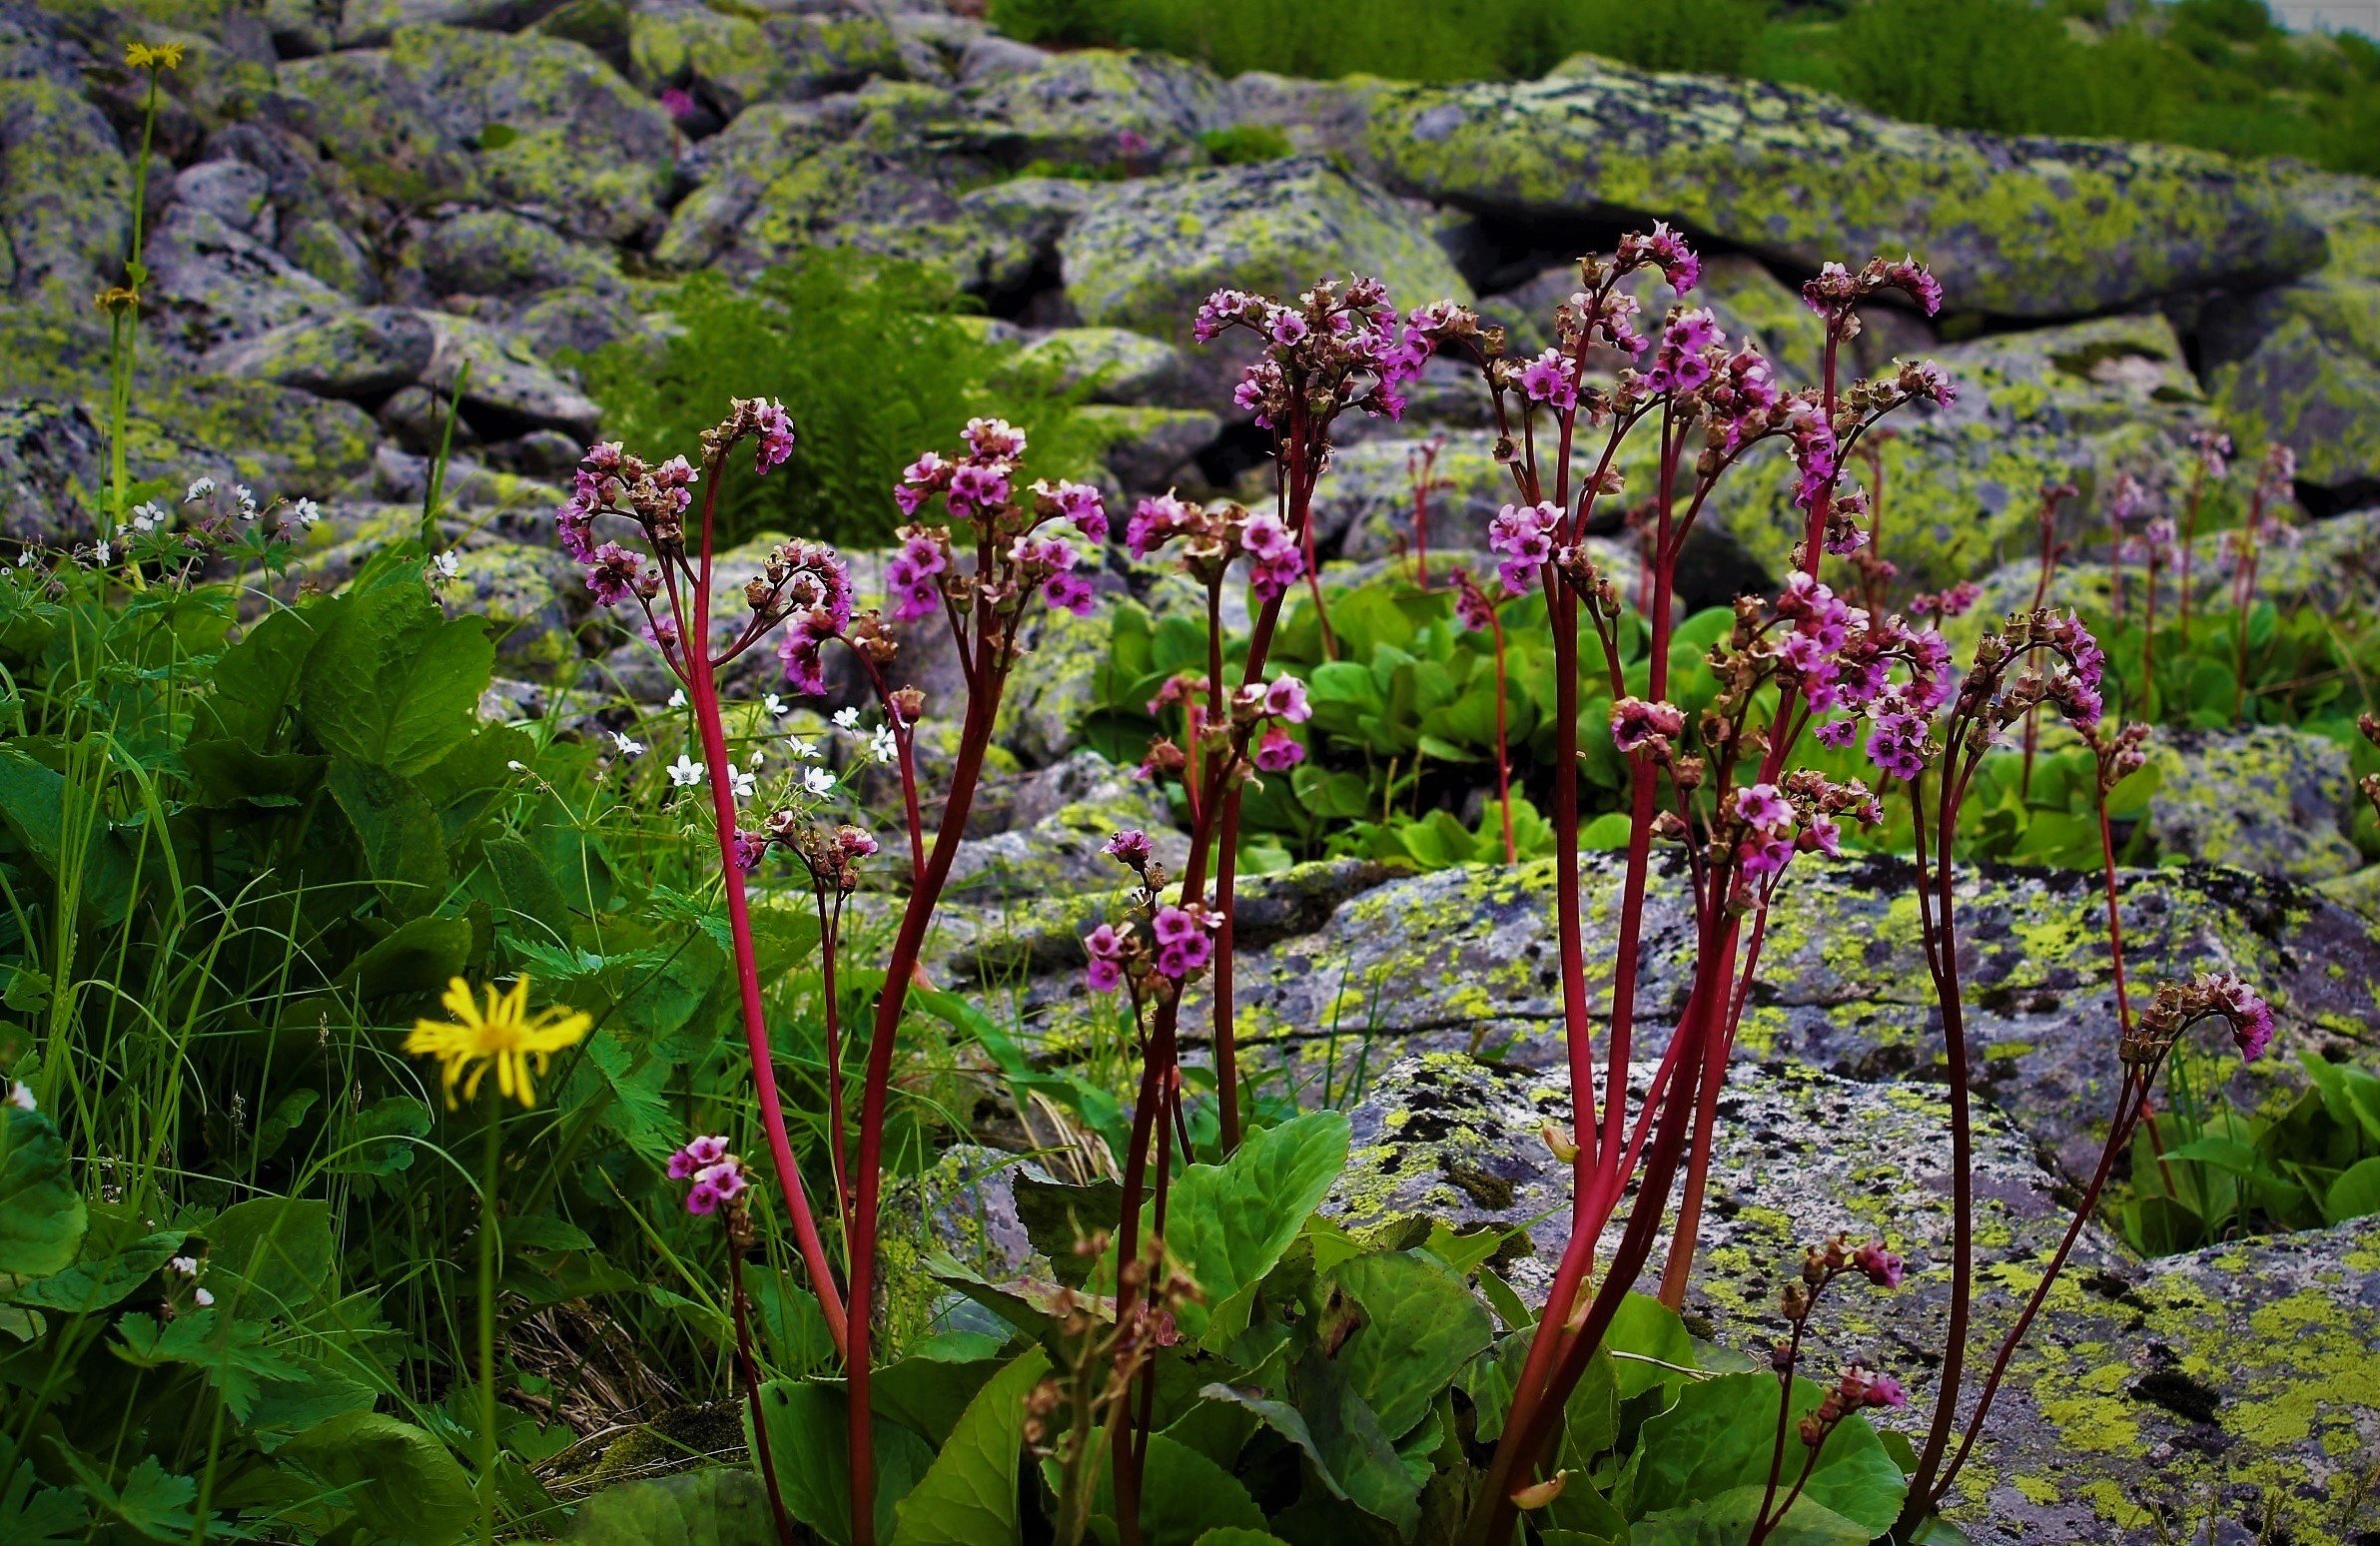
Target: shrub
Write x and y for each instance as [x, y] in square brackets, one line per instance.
[811, 335]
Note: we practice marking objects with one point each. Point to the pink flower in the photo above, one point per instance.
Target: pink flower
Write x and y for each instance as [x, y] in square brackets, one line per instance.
[1287, 327]
[1129, 846]
[1278, 751]
[1823, 835]
[1082, 504]
[1103, 975]
[1762, 806]
[1637, 725]
[1898, 745]
[1881, 1267]
[1285, 699]
[678, 103]
[1174, 925]
[1884, 1390]
[776, 436]
[1547, 379]
[1264, 537]
[1069, 593]
[1836, 733]
[750, 849]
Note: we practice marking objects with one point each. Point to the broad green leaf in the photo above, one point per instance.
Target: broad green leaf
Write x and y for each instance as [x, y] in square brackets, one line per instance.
[1229, 1223]
[393, 683]
[278, 1247]
[41, 1214]
[1649, 1344]
[404, 849]
[420, 956]
[152, 1502]
[33, 809]
[716, 1506]
[931, 1389]
[401, 1482]
[101, 1281]
[1421, 1327]
[2355, 1194]
[968, 1496]
[1727, 1520]
[811, 1448]
[1720, 1436]
[256, 680]
[1184, 1495]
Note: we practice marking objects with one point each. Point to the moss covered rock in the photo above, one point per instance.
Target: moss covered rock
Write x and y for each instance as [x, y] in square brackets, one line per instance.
[498, 253]
[454, 113]
[1109, 365]
[2269, 799]
[734, 56]
[2300, 364]
[364, 353]
[1465, 958]
[507, 385]
[534, 596]
[1144, 447]
[2015, 227]
[1058, 819]
[2231, 1389]
[1145, 252]
[64, 194]
[1100, 108]
[52, 455]
[843, 171]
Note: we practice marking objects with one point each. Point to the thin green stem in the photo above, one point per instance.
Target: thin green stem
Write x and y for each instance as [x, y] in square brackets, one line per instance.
[491, 1160]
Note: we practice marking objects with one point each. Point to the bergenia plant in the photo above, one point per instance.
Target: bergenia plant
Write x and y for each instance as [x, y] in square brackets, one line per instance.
[2268, 523]
[1000, 557]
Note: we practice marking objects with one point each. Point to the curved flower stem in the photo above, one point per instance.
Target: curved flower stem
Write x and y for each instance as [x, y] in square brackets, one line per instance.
[1495, 623]
[749, 1369]
[1227, 1048]
[703, 696]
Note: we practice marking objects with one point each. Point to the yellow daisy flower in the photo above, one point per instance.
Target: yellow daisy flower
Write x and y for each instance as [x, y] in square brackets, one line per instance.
[153, 56]
[506, 1036]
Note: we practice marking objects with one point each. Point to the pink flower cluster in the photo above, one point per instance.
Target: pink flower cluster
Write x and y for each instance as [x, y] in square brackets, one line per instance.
[1215, 538]
[1665, 250]
[818, 589]
[1340, 345]
[718, 1175]
[1523, 537]
[980, 488]
[1837, 289]
[1637, 725]
[909, 578]
[1283, 702]
[1185, 939]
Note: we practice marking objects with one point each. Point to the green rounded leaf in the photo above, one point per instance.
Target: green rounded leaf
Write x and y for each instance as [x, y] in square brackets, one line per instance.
[1720, 1437]
[401, 1482]
[41, 1214]
[715, 1506]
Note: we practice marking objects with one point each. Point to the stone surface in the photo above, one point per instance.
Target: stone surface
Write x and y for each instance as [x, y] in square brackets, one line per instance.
[1144, 445]
[1110, 364]
[1059, 818]
[505, 380]
[214, 284]
[2269, 799]
[731, 57]
[359, 353]
[2300, 364]
[2015, 227]
[1145, 252]
[1465, 958]
[1099, 108]
[51, 454]
[452, 113]
[498, 253]
[2200, 1389]
[64, 194]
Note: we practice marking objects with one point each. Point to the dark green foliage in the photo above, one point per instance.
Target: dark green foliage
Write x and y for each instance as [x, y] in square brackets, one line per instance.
[2207, 1171]
[2213, 73]
[1244, 143]
[874, 364]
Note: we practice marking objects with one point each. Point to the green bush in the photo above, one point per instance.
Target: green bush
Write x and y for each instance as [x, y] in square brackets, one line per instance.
[1244, 143]
[872, 360]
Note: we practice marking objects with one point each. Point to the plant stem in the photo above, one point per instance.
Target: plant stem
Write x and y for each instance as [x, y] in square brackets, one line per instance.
[491, 1160]
[749, 1369]
[1495, 623]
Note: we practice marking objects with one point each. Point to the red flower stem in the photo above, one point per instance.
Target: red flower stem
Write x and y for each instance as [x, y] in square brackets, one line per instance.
[749, 1369]
[1680, 1265]
[703, 695]
[2148, 639]
[1762, 1523]
[830, 921]
[1495, 625]
[1226, 1051]
[2130, 1099]
[988, 672]
[2190, 535]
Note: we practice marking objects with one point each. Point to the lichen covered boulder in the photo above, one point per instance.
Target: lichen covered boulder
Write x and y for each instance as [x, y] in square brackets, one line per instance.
[2032, 227]
[1466, 958]
[454, 113]
[730, 57]
[361, 353]
[64, 194]
[2269, 799]
[1098, 106]
[2300, 364]
[1058, 819]
[1145, 252]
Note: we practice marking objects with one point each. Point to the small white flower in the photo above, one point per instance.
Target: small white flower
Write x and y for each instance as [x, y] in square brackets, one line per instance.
[199, 490]
[100, 554]
[203, 1297]
[756, 759]
[741, 784]
[819, 781]
[148, 517]
[677, 698]
[20, 1096]
[847, 718]
[803, 748]
[628, 745]
[515, 765]
[774, 704]
[305, 512]
[449, 564]
[248, 502]
[685, 772]
[188, 1266]
[24, 557]
[882, 746]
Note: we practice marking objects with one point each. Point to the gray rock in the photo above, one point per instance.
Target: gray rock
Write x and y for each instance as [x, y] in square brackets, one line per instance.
[502, 382]
[842, 171]
[417, 417]
[2300, 364]
[2269, 799]
[213, 284]
[1465, 958]
[365, 354]
[733, 57]
[1145, 252]
[239, 194]
[1032, 210]
[1059, 820]
[52, 455]
[537, 124]
[577, 321]
[2032, 226]
[1147, 445]
[1111, 364]
[1099, 108]
[2228, 1390]
[496, 252]
[64, 194]
[1320, 117]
